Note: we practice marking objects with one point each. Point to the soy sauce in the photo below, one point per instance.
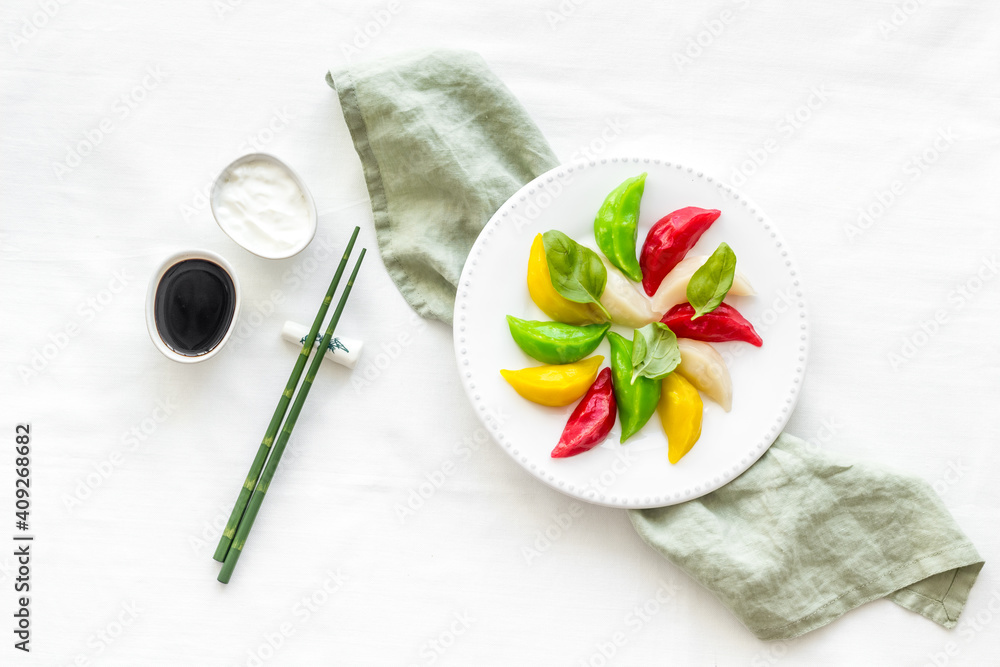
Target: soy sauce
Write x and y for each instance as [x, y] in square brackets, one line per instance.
[194, 306]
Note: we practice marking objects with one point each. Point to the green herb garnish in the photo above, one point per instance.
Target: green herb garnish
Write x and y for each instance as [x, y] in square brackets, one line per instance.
[654, 352]
[577, 273]
[712, 281]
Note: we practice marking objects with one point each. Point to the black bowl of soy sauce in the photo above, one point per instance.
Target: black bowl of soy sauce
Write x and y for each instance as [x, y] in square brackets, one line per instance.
[193, 302]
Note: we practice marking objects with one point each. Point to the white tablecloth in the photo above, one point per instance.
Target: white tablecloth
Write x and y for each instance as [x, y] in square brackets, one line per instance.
[867, 130]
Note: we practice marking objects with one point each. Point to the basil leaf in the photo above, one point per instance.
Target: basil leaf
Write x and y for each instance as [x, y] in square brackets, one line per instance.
[577, 273]
[711, 282]
[654, 352]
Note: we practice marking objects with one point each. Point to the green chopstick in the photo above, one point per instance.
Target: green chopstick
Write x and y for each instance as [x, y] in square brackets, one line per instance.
[246, 523]
[279, 412]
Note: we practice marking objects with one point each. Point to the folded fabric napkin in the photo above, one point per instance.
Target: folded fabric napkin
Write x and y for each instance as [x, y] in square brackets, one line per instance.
[793, 543]
[443, 145]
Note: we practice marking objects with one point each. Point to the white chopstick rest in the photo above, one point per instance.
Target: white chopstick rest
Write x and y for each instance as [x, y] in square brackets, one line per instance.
[344, 351]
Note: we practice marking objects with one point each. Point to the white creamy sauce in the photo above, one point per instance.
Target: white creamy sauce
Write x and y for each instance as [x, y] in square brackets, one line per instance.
[261, 206]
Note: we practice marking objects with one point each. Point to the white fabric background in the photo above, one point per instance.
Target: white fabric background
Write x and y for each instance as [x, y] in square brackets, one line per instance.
[124, 576]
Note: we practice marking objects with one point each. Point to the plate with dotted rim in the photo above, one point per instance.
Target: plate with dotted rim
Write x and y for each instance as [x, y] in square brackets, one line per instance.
[637, 474]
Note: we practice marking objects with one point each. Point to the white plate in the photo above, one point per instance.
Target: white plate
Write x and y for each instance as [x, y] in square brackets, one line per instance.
[766, 380]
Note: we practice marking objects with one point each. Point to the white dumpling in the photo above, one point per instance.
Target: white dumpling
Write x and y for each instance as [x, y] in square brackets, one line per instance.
[623, 300]
[704, 367]
[673, 289]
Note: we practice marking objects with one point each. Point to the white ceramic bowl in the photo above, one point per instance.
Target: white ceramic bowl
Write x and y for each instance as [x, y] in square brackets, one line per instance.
[154, 283]
[308, 231]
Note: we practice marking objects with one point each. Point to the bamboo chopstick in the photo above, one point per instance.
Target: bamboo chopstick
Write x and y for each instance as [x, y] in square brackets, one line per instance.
[246, 523]
[279, 412]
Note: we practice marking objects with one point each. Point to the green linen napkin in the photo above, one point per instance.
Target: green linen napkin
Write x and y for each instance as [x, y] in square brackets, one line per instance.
[443, 145]
[793, 543]
[803, 537]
